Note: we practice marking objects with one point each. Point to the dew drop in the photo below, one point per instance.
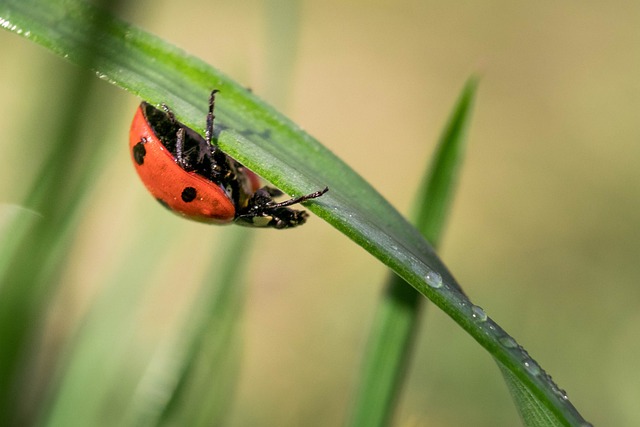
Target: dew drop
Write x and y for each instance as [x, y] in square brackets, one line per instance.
[508, 342]
[531, 367]
[478, 314]
[563, 394]
[433, 279]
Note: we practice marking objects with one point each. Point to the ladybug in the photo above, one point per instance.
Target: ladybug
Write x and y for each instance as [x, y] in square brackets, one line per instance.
[192, 177]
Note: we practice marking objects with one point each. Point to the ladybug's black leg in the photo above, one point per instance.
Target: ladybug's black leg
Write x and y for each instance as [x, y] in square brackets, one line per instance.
[297, 200]
[219, 166]
[208, 134]
[262, 211]
[287, 218]
[180, 148]
[207, 149]
[180, 136]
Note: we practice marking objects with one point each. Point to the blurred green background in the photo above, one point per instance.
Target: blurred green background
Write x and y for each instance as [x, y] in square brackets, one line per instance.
[544, 233]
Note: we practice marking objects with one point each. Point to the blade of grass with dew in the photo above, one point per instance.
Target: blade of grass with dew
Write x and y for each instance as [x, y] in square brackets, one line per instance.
[279, 151]
[392, 337]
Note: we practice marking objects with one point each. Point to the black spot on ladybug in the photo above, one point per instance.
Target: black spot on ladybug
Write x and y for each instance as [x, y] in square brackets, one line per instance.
[139, 152]
[188, 194]
[164, 204]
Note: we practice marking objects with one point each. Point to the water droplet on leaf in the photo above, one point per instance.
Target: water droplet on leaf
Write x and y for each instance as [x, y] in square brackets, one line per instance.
[433, 279]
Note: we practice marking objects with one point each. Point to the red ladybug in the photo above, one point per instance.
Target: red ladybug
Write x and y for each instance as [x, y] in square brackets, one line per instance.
[192, 177]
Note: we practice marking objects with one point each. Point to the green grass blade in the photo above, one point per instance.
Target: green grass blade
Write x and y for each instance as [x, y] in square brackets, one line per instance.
[204, 364]
[532, 412]
[440, 182]
[279, 151]
[184, 382]
[397, 317]
[38, 238]
[15, 224]
[92, 381]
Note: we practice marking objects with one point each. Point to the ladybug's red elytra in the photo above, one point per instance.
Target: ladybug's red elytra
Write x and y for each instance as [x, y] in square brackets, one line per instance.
[192, 177]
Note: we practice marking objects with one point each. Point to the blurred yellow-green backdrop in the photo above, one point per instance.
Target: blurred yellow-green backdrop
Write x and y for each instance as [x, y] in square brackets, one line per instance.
[544, 233]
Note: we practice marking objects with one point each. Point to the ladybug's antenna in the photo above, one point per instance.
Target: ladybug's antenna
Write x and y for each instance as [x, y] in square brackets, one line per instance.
[297, 200]
[208, 133]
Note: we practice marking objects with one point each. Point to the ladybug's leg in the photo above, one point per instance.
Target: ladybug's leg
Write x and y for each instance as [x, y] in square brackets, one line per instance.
[179, 136]
[180, 148]
[207, 149]
[262, 211]
[219, 161]
[208, 133]
[286, 218]
[296, 200]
